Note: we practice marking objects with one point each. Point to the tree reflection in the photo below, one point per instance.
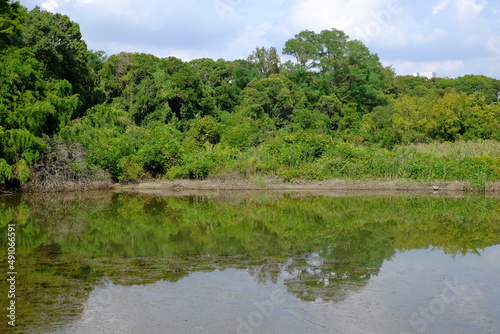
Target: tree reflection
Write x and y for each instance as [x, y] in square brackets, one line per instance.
[321, 248]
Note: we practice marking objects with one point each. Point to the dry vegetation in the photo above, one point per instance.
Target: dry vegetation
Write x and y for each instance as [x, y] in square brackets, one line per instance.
[65, 168]
[461, 149]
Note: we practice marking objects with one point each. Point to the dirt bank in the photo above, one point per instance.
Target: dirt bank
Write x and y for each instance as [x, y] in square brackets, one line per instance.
[180, 187]
[220, 184]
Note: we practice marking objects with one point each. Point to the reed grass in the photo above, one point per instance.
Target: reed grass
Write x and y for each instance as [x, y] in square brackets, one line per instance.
[460, 149]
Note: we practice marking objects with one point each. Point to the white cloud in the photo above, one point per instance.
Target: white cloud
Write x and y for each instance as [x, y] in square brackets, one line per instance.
[376, 22]
[440, 6]
[51, 5]
[471, 8]
[428, 37]
[349, 16]
[494, 44]
[252, 36]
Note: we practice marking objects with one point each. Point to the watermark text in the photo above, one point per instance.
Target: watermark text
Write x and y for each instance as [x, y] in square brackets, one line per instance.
[226, 7]
[427, 314]
[11, 274]
[380, 20]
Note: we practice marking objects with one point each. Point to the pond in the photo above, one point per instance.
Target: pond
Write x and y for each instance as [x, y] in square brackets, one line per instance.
[257, 262]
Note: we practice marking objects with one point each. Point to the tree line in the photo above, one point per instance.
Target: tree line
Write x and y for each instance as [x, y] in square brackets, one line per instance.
[138, 116]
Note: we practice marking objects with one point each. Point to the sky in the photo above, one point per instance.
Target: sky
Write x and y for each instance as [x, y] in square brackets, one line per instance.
[449, 37]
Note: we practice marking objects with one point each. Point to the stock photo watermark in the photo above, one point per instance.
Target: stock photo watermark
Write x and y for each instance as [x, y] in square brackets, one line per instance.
[224, 8]
[379, 21]
[427, 314]
[11, 274]
[96, 304]
[263, 311]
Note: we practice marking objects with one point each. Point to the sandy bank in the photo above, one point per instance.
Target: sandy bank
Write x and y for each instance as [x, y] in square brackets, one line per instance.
[222, 184]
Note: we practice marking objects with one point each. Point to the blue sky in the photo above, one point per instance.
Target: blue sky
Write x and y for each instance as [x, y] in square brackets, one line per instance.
[449, 37]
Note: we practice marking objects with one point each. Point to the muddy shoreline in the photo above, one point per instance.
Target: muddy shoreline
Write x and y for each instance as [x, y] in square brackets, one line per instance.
[232, 184]
[270, 184]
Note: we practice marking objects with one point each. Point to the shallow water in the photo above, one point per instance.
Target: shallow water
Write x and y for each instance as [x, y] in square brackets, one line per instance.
[258, 263]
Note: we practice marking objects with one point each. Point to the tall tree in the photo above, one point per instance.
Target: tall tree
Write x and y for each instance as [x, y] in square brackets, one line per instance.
[57, 43]
[266, 61]
[304, 48]
[11, 16]
[336, 65]
[276, 97]
[321, 52]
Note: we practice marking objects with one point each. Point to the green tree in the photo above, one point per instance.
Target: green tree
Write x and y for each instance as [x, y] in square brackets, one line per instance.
[276, 97]
[328, 63]
[11, 17]
[221, 91]
[240, 132]
[139, 84]
[367, 79]
[57, 43]
[413, 86]
[411, 119]
[324, 52]
[29, 101]
[266, 61]
[189, 93]
[471, 84]
[204, 131]
[305, 48]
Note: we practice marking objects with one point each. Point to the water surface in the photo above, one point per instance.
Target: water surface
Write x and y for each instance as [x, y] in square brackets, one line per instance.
[257, 263]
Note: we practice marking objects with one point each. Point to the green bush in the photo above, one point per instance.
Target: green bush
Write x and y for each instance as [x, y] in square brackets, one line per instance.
[5, 171]
[130, 168]
[294, 149]
[22, 171]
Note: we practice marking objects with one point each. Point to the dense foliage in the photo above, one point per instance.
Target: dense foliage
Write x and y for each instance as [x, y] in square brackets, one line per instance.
[332, 111]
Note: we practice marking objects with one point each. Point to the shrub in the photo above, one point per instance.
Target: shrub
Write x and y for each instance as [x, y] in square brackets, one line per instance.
[130, 168]
[5, 171]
